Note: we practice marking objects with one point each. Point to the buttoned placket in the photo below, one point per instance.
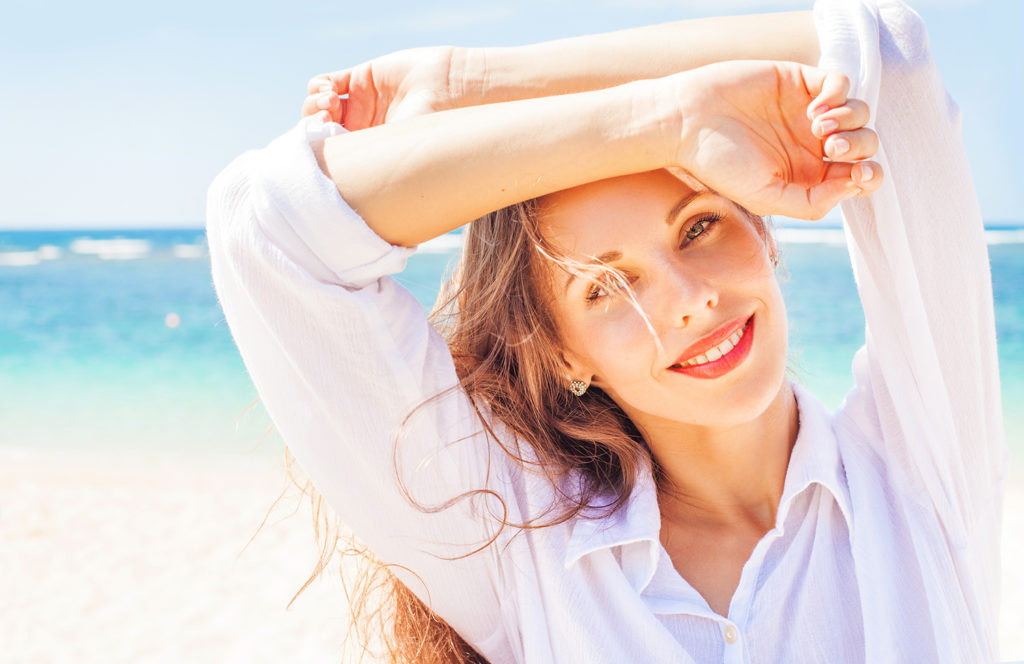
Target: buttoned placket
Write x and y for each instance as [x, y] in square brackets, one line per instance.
[733, 652]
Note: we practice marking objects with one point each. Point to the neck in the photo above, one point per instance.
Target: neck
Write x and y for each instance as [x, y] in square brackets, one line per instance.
[726, 476]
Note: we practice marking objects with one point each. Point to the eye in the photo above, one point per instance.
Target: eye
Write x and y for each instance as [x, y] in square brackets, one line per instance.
[605, 286]
[701, 225]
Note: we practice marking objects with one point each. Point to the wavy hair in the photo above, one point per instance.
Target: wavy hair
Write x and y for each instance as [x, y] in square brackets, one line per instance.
[494, 313]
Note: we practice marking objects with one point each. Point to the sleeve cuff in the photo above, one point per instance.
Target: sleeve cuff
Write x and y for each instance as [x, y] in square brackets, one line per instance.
[305, 215]
[848, 38]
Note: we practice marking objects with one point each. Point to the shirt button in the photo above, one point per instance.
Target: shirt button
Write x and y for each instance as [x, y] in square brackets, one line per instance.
[730, 634]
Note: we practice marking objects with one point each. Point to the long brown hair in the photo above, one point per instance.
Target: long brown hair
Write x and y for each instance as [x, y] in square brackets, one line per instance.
[494, 314]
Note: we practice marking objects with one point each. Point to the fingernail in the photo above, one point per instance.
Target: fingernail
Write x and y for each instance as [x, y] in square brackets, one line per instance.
[326, 87]
[866, 172]
[323, 101]
[827, 126]
[819, 110]
[840, 146]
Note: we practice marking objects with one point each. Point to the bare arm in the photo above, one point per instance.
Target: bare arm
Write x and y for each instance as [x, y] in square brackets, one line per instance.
[741, 127]
[487, 75]
[425, 80]
[418, 178]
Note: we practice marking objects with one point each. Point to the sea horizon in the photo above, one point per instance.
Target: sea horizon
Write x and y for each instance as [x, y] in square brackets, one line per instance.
[112, 338]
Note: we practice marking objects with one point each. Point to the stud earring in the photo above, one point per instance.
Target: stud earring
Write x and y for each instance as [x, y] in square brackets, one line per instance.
[578, 387]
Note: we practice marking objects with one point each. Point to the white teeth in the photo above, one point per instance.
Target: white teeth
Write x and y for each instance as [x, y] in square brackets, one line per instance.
[718, 351]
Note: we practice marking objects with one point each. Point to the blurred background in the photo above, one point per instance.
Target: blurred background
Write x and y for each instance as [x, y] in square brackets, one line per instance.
[115, 360]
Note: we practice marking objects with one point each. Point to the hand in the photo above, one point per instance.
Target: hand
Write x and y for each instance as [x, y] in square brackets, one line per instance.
[399, 85]
[777, 138]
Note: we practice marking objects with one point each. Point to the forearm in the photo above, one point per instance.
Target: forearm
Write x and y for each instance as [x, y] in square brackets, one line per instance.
[418, 178]
[591, 62]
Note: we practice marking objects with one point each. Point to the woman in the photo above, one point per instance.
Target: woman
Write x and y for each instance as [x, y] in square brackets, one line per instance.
[603, 460]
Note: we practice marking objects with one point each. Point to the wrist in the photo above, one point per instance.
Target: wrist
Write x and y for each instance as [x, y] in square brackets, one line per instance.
[658, 119]
[468, 83]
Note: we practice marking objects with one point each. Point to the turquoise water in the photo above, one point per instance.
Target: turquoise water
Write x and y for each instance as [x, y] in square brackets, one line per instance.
[91, 360]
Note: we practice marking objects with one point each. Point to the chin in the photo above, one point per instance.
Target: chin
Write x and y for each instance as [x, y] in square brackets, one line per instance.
[742, 397]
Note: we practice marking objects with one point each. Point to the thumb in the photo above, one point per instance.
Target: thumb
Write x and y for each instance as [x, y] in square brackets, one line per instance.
[842, 180]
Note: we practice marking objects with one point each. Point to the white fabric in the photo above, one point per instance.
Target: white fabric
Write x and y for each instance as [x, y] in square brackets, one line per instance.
[886, 543]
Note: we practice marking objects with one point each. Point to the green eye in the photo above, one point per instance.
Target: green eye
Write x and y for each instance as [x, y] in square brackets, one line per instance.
[700, 226]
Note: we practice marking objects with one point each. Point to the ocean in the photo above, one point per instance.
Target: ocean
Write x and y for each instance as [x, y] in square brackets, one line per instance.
[113, 341]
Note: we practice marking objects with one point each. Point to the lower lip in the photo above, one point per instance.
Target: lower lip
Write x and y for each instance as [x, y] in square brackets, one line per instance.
[727, 362]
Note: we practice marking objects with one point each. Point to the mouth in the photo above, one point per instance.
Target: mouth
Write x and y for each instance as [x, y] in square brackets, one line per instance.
[719, 352]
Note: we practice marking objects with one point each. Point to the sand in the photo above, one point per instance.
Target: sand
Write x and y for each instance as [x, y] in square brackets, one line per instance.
[122, 559]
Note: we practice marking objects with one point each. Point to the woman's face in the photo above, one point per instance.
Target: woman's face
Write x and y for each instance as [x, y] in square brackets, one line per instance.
[712, 351]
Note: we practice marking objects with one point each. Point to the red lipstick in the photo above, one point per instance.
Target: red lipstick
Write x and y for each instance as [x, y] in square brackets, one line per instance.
[728, 361]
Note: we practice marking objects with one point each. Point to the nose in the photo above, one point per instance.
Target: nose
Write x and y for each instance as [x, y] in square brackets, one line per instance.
[682, 294]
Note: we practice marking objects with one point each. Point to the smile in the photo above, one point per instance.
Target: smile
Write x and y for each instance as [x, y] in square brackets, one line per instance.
[722, 357]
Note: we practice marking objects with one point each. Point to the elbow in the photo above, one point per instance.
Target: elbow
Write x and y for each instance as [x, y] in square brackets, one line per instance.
[229, 212]
[907, 62]
[904, 46]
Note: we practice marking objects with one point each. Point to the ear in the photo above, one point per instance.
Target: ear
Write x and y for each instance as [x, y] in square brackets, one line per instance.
[576, 368]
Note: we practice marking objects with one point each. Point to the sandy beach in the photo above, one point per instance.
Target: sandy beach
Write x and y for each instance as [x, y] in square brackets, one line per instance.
[120, 559]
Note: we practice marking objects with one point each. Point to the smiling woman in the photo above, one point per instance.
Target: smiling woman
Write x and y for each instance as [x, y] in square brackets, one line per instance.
[594, 454]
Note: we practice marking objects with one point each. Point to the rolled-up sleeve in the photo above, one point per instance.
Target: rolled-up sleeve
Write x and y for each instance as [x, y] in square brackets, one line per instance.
[927, 385]
[359, 384]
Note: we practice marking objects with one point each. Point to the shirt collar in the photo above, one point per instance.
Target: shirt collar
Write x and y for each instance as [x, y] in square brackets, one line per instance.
[636, 525]
[814, 459]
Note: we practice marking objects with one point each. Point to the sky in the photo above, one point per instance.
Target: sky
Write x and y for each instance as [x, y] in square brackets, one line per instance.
[119, 114]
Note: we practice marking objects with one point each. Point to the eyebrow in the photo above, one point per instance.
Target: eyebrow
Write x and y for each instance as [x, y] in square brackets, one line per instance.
[670, 218]
[683, 203]
[597, 260]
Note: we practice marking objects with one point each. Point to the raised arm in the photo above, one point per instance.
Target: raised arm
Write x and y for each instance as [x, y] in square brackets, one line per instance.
[741, 127]
[423, 80]
[604, 60]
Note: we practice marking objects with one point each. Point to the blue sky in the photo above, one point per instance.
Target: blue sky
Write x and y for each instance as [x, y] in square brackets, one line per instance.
[119, 114]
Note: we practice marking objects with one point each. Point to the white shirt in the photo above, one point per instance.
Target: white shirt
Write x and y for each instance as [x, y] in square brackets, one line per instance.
[886, 542]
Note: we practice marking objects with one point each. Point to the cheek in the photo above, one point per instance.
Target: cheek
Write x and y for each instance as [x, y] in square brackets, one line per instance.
[615, 344]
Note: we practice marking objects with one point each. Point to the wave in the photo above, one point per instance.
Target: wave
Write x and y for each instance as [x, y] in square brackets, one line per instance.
[49, 252]
[836, 236]
[46, 252]
[114, 249]
[188, 251]
[1005, 236]
[19, 258]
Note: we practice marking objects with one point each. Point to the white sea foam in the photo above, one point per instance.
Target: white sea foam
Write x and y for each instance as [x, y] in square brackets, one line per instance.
[49, 252]
[1004, 236]
[19, 258]
[442, 245]
[115, 249]
[833, 236]
[189, 251]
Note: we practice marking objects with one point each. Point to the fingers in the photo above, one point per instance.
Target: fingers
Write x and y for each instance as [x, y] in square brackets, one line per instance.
[336, 82]
[851, 145]
[842, 180]
[834, 87]
[853, 114]
[325, 101]
[324, 94]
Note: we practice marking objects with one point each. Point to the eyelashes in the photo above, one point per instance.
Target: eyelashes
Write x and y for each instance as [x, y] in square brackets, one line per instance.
[612, 281]
[608, 285]
[700, 226]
